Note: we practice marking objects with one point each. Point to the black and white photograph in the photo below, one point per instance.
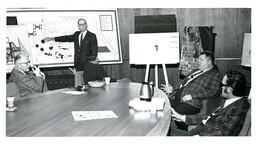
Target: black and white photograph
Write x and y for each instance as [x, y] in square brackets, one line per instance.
[159, 74]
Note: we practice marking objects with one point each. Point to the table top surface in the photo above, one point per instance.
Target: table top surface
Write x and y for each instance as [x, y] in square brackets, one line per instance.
[49, 114]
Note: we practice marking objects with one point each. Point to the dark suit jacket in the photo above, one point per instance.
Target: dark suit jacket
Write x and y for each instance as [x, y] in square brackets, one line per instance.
[205, 86]
[209, 107]
[88, 50]
[27, 83]
[225, 122]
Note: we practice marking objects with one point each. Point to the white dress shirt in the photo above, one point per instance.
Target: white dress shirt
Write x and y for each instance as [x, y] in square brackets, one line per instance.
[227, 102]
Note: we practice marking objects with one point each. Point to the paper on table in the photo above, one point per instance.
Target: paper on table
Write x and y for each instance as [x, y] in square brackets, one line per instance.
[91, 115]
[74, 92]
[155, 104]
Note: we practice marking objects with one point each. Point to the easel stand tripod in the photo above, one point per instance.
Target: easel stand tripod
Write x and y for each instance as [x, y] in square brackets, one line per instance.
[156, 74]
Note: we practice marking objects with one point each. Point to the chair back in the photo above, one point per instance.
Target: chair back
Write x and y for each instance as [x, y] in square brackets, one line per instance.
[246, 129]
[12, 90]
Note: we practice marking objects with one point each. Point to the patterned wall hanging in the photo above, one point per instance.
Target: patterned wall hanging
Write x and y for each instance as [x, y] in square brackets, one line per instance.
[194, 40]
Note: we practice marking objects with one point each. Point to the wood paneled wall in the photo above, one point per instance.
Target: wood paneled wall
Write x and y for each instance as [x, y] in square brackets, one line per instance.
[230, 24]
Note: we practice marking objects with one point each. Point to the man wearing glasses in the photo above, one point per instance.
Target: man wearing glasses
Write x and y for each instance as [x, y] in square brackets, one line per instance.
[28, 81]
[228, 118]
[86, 50]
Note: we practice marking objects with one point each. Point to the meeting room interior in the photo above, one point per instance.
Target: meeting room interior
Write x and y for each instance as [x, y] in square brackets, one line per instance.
[128, 72]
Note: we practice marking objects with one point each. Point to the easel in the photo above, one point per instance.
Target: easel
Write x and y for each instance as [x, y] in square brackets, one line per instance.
[156, 74]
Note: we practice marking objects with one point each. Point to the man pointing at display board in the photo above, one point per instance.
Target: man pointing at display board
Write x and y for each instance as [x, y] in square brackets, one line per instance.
[86, 50]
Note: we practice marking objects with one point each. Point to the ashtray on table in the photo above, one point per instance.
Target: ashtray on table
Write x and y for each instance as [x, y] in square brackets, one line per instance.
[96, 84]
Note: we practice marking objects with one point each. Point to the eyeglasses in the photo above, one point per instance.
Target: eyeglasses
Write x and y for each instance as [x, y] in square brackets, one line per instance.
[224, 85]
[81, 24]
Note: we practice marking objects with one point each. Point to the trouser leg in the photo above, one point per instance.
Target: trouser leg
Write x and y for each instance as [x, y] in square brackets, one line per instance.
[174, 131]
[185, 109]
[79, 79]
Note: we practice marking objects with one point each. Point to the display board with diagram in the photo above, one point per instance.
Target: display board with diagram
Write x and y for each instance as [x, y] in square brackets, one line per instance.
[34, 25]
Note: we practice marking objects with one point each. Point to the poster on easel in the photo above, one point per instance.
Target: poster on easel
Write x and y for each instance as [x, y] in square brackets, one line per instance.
[246, 56]
[154, 48]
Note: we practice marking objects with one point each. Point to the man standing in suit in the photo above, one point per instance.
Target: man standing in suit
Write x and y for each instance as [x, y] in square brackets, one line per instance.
[28, 82]
[86, 49]
[228, 118]
[201, 84]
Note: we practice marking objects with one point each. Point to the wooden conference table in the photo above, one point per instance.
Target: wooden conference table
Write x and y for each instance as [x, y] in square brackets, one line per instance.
[49, 114]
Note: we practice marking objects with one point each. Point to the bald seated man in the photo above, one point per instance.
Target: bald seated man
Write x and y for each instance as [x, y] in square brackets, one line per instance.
[28, 81]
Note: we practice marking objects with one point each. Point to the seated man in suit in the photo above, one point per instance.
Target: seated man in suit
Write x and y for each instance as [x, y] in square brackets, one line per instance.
[201, 84]
[28, 82]
[228, 118]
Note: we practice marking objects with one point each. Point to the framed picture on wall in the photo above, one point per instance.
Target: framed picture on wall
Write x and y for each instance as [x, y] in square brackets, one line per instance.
[106, 23]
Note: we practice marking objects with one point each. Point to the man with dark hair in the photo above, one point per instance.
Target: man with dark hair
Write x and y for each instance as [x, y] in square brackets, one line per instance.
[228, 118]
[86, 50]
[28, 82]
[201, 84]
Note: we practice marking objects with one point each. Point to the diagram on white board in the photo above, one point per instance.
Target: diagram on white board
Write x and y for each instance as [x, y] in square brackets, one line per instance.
[45, 53]
[53, 23]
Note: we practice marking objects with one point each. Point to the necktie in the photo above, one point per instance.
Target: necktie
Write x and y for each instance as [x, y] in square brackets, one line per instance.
[81, 38]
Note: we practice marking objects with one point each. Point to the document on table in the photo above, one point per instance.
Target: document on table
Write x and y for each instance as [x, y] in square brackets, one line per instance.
[91, 115]
[156, 104]
[74, 92]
